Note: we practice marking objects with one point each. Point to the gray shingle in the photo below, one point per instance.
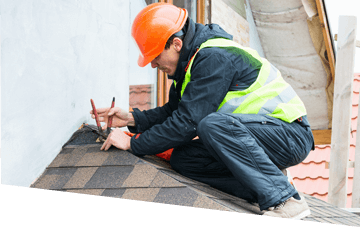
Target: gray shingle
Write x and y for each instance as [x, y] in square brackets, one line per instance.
[109, 177]
[117, 193]
[176, 196]
[116, 173]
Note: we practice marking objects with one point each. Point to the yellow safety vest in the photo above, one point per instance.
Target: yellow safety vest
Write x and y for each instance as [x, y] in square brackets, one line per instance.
[268, 95]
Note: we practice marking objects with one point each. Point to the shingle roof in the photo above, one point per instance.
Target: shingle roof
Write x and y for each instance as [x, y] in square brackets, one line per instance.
[311, 176]
[80, 167]
[83, 168]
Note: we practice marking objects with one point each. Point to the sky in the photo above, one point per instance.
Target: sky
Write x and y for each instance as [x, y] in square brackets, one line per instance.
[336, 8]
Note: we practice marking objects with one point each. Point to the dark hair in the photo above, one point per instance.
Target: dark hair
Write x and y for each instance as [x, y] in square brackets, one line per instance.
[170, 40]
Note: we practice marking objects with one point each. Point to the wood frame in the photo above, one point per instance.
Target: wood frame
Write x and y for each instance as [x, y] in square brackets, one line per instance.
[327, 36]
[340, 137]
[322, 137]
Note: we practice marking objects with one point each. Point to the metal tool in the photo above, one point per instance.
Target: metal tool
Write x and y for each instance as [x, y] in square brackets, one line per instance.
[101, 132]
[108, 130]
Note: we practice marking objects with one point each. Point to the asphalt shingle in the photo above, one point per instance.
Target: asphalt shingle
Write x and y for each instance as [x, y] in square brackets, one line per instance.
[83, 168]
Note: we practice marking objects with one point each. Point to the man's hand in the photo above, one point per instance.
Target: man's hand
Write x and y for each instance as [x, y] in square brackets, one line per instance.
[117, 138]
[121, 118]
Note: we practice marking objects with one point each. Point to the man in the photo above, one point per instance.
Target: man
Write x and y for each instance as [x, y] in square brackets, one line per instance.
[251, 124]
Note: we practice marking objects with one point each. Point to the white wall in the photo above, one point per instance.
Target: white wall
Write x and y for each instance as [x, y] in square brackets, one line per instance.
[56, 56]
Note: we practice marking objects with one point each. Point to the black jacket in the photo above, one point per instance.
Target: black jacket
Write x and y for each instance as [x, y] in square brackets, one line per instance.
[214, 72]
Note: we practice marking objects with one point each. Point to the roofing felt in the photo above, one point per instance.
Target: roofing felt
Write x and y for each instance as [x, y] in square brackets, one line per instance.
[311, 176]
[84, 168]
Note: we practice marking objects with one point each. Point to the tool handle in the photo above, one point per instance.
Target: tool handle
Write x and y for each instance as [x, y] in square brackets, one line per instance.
[111, 117]
[95, 113]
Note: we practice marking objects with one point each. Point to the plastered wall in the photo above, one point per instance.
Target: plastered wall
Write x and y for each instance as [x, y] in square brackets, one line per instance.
[230, 21]
[243, 29]
[55, 57]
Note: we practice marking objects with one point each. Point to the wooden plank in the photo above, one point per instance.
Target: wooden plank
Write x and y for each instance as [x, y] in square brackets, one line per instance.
[340, 138]
[322, 137]
[357, 41]
[200, 11]
[351, 164]
[161, 88]
[327, 36]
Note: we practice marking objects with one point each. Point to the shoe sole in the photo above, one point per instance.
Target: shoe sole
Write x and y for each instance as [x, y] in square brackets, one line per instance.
[302, 215]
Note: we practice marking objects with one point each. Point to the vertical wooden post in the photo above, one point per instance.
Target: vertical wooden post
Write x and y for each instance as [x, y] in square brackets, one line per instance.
[200, 11]
[340, 138]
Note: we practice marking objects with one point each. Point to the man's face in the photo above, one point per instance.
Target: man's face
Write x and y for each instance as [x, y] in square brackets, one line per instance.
[168, 59]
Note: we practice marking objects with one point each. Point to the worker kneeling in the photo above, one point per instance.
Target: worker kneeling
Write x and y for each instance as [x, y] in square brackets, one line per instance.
[250, 122]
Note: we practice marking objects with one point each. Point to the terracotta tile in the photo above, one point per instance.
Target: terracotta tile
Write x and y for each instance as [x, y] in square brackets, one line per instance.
[318, 155]
[140, 96]
[141, 176]
[109, 177]
[142, 194]
[80, 177]
[176, 196]
[311, 170]
[354, 111]
[310, 186]
[355, 97]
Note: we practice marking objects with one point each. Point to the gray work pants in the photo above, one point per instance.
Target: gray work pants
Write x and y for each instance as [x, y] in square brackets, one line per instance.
[242, 154]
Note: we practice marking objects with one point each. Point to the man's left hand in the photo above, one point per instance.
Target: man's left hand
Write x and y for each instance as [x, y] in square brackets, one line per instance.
[117, 138]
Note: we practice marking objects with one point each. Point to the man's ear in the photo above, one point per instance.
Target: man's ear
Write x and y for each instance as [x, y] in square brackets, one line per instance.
[177, 44]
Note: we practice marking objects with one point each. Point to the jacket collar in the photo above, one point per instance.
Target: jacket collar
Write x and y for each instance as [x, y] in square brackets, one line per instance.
[186, 51]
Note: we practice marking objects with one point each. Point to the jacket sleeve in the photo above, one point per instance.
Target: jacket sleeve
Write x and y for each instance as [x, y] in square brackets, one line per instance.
[148, 118]
[211, 76]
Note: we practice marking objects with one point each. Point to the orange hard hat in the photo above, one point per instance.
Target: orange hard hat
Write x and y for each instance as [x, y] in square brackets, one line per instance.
[153, 26]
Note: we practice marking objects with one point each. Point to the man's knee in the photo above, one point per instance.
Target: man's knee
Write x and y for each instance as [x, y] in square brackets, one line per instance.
[210, 124]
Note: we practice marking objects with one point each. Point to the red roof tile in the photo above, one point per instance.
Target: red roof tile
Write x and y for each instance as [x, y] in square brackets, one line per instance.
[311, 177]
[140, 96]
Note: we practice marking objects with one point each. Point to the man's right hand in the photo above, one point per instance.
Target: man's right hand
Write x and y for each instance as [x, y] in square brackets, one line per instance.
[121, 118]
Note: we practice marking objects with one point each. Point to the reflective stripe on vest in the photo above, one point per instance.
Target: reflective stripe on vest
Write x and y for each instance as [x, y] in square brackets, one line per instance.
[268, 95]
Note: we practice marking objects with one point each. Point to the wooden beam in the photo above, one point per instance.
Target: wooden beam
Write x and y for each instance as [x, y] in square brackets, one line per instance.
[322, 137]
[161, 93]
[200, 11]
[326, 35]
[351, 164]
[357, 41]
[340, 137]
